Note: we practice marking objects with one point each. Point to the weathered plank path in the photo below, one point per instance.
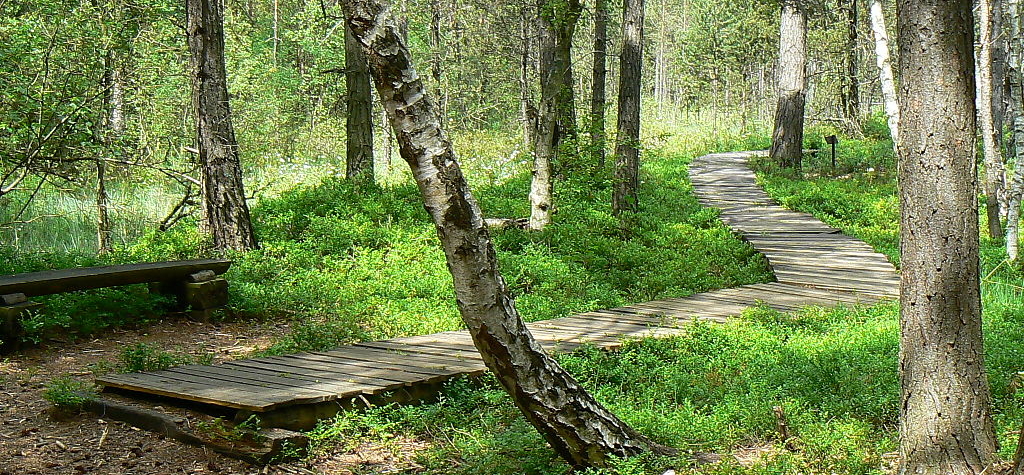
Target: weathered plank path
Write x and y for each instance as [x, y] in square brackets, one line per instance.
[814, 264]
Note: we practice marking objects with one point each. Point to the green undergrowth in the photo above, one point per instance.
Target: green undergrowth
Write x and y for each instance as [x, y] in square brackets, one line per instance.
[343, 262]
[709, 391]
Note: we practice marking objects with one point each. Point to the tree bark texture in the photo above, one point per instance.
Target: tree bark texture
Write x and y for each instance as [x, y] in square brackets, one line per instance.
[995, 173]
[575, 425]
[1014, 29]
[113, 103]
[359, 117]
[555, 137]
[945, 422]
[851, 86]
[788, 133]
[598, 97]
[627, 146]
[892, 108]
[226, 213]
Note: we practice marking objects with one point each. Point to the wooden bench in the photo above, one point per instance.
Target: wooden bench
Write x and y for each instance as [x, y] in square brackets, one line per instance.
[195, 283]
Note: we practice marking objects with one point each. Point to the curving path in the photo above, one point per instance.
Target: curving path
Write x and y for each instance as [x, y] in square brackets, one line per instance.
[815, 265]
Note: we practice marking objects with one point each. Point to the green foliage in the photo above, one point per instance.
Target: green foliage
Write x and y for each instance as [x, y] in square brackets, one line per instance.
[142, 357]
[69, 394]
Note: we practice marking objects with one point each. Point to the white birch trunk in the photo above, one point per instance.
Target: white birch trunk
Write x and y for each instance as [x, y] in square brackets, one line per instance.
[1014, 28]
[995, 173]
[892, 108]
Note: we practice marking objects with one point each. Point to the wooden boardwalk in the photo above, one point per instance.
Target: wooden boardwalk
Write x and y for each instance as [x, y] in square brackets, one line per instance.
[814, 264]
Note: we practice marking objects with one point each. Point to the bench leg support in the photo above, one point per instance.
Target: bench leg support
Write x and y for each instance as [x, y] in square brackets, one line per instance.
[11, 330]
[206, 296]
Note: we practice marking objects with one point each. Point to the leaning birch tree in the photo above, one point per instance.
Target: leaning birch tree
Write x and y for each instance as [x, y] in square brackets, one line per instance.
[579, 429]
[945, 420]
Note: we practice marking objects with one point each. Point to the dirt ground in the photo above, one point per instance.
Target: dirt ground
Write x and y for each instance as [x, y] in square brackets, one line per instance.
[36, 440]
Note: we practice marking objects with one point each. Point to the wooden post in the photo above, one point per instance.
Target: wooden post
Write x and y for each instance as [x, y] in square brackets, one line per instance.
[12, 308]
[833, 140]
[204, 293]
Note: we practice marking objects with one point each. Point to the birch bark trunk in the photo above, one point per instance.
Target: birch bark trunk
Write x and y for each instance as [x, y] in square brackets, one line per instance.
[1014, 26]
[570, 419]
[892, 108]
[995, 172]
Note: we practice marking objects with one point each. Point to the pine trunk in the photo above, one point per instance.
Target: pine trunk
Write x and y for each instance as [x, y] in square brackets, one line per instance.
[1014, 29]
[945, 422]
[598, 98]
[577, 426]
[892, 108]
[627, 147]
[995, 173]
[226, 213]
[788, 134]
[359, 117]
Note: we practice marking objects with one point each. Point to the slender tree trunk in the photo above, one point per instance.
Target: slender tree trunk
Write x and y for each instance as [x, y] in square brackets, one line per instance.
[527, 110]
[226, 213]
[114, 105]
[1014, 29]
[945, 422]
[556, 118]
[627, 147]
[436, 56]
[788, 135]
[359, 117]
[598, 97]
[995, 173]
[545, 145]
[892, 109]
[576, 425]
[851, 88]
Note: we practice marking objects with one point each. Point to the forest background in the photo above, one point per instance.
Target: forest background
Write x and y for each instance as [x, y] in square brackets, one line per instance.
[346, 262]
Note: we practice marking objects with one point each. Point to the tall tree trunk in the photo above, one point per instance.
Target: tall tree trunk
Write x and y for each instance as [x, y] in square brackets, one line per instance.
[436, 56]
[995, 173]
[1014, 29]
[627, 147]
[359, 117]
[892, 108]
[851, 87]
[226, 213]
[527, 111]
[114, 107]
[945, 422]
[556, 118]
[788, 134]
[598, 97]
[576, 425]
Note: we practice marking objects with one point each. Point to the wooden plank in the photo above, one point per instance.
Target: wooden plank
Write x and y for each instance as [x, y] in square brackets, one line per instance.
[447, 352]
[266, 381]
[355, 364]
[84, 278]
[445, 362]
[304, 379]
